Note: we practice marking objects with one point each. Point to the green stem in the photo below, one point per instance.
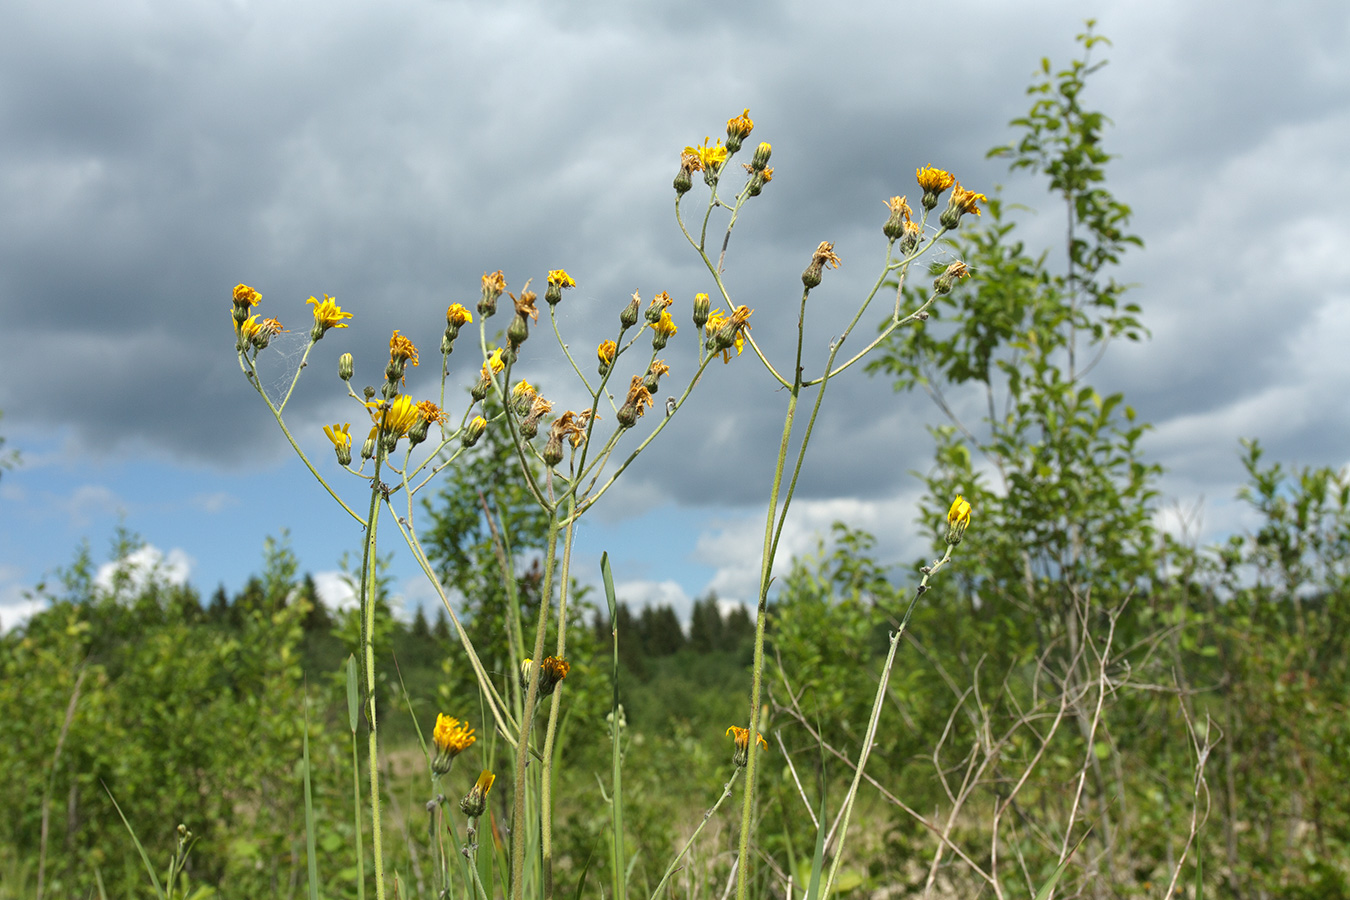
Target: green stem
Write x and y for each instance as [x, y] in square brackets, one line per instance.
[546, 780]
[670, 870]
[518, 825]
[875, 718]
[368, 562]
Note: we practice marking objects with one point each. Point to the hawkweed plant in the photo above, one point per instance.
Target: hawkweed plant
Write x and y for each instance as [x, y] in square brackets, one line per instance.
[569, 459]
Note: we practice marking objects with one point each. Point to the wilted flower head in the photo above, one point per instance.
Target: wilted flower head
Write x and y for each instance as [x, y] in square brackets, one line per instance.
[901, 215]
[961, 202]
[431, 413]
[822, 258]
[525, 303]
[639, 398]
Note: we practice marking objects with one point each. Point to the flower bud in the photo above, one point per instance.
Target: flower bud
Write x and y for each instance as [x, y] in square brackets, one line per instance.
[702, 308]
[529, 427]
[417, 433]
[517, 331]
[627, 415]
[628, 318]
[824, 256]
[553, 450]
[683, 182]
[473, 431]
[943, 283]
[345, 366]
[760, 160]
[481, 388]
[738, 129]
[474, 803]
[368, 448]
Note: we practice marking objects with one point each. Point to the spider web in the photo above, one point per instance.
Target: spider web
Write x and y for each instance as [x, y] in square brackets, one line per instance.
[278, 364]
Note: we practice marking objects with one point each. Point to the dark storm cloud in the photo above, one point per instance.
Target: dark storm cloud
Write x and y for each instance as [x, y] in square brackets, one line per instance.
[390, 155]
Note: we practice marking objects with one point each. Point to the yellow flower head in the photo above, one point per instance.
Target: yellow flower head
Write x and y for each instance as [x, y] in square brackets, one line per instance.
[246, 296]
[934, 181]
[741, 741]
[249, 327]
[452, 735]
[523, 390]
[561, 279]
[709, 158]
[741, 126]
[400, 415]
[958, 517]
[401, 348]
[605, 352]
[431, 413]
[456, 315]
[737, 324]
[665, 325]
[966, 201]
[494, 364]
[328, 314]
[339, 435]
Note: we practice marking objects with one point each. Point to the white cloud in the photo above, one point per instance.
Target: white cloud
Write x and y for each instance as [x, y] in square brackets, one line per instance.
[639, 594]
[334, 590]
[144, 566]
[16, 606]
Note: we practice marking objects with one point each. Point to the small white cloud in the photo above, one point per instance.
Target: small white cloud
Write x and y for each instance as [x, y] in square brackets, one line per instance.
[334, 590]
[16, 606]
[639, 594]
[214, 502]
[144, 566]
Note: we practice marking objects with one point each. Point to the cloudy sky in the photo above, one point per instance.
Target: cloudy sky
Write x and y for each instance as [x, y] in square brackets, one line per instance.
[157, 153]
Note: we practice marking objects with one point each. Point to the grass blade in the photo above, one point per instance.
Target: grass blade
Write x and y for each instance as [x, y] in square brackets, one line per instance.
[1049, 887]
[145, 857]
[616, 770]
[818, 858]
[310, 854]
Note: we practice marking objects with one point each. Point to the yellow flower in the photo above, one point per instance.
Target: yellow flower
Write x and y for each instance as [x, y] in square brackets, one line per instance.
[246, 296]
[456, 315]
[339, 435]
[709, 158]
[523, 390]
[966, 201]
[740, 127]
[934, 181]
[561, 279]
[452, 737]
[328, 314]
[605, 352]
[726, 331]
[665, 326]
[398, 417]
[958, 517]
[741, 739]
[551, 671]
[494, 364]
[430, 412]
[402, 348]
[474, 803]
